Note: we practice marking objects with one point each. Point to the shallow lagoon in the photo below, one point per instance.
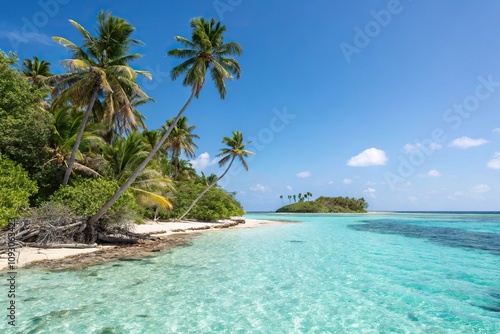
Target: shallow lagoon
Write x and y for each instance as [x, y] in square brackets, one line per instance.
[377, 273]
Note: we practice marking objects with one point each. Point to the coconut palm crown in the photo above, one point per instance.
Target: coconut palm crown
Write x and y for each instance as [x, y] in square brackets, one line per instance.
[100, 67]
[206, 51]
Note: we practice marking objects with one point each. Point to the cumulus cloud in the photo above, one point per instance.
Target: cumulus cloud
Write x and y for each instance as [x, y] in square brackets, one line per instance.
[370, 157]
[304, 175]
[203, 161]
[434, 173]
[480, 188]
[495, 162]
[258, 187]
[347, 181]
[409, 148]
[466, 142]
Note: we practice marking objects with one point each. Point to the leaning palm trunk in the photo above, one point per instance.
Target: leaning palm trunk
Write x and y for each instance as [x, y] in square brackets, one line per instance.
[206, 189]
[79, 135]
[139, 169]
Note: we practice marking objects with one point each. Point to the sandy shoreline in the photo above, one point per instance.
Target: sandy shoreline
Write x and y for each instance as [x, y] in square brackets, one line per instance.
[170, 234]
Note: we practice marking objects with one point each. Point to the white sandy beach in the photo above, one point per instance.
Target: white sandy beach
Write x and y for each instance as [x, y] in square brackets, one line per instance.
[160, 229]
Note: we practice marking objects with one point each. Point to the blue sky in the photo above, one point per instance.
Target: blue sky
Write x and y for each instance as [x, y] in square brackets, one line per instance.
[395, 101]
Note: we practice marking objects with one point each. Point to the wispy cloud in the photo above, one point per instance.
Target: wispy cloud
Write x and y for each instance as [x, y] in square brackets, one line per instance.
[289, 188]
[347, 181]
[304, 175]
[497, 131]
[409, 148]
[495, 162]
[434, 173]
[259, 187]
[370, 157]
[17, 37]
[203, 161]
[370, 191]
[466, 142]
[480, 188]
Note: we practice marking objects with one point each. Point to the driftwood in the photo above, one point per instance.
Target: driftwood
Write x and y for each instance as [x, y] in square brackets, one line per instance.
[61, 245]
[62, 230]
[117, 240]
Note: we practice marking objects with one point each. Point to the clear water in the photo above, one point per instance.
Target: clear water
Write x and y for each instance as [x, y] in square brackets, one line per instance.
[381, 273]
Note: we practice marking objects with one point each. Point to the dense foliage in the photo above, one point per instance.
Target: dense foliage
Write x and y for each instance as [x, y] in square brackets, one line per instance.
[83, 199]
[15, 189]
[214, 205]
[26, 126]
[74, 143]
[328, 205]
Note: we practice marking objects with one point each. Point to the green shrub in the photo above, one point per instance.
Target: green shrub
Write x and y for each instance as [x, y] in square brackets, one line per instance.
[84, 197]
[15, 189]
[214, 205]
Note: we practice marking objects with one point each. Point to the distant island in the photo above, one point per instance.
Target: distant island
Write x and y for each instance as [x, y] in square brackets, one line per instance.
[327, 205]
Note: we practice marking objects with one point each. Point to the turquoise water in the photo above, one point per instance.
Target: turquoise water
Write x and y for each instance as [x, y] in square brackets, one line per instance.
[380, 273]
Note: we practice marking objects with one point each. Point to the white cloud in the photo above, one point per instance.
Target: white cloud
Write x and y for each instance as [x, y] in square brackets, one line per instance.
[370, 192]
[466, 142]
[330, 182]
[289, 188]
[369, 157]
[409, 148]
[347, 181]
[203, 161]
[304, 175]
[480, 188]
[434, 173]
[497, 131]
[259, 187]
[495, 162]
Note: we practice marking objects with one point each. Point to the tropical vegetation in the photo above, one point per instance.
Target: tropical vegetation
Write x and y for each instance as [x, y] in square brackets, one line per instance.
[327, 205]
[76, 141]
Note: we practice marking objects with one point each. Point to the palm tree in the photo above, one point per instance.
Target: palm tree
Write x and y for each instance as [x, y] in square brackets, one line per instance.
[205, 51]
[185, 170]
[180, 140]
[99, 66]
[290, 199]
[65, 126]
[123, 156]
[281, 196]
[295, 198]
[207, 180]
[235, 149]
[309, 194]
[36, 71]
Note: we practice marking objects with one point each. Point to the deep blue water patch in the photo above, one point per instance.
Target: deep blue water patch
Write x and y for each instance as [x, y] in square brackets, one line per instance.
[447, 236]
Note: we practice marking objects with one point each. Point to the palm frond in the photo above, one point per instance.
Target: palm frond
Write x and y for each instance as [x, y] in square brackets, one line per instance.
[150, 199]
